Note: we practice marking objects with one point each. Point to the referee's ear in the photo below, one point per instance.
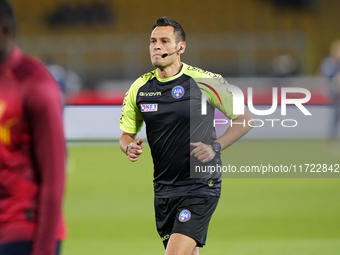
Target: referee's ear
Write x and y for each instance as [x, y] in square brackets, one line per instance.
[182, 46]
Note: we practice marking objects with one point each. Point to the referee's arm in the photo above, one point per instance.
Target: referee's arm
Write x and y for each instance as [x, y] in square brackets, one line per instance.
[132, 148]
[205, 152]
[239, 128]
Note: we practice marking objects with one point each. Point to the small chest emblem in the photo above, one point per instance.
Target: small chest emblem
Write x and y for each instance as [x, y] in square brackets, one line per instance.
[177, 92]
[149, 107]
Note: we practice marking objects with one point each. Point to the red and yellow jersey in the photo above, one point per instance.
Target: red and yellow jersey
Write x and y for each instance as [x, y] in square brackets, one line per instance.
[32, 154]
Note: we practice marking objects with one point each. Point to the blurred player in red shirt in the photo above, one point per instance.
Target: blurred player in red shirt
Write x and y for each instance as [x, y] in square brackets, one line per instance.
[32, 150]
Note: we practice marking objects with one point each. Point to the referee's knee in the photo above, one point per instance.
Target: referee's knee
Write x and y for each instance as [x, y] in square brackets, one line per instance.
[196, 251]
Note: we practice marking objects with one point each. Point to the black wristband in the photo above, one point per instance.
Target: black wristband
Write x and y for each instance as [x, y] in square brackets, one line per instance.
[127, 149]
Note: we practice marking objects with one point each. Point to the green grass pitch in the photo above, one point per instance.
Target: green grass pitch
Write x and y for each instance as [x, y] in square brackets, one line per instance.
[109, 204]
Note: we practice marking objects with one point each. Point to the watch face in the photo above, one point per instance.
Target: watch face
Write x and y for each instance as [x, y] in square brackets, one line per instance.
[216, 147]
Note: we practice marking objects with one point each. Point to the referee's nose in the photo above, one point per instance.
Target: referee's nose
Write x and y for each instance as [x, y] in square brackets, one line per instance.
[157, 46]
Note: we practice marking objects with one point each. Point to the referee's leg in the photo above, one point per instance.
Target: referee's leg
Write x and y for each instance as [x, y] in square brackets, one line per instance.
[180, 244]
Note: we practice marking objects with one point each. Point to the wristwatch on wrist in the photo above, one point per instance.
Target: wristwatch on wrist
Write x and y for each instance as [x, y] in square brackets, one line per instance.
[216, 147]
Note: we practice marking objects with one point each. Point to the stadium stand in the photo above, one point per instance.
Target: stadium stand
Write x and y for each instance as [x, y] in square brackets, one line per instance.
[252, 33]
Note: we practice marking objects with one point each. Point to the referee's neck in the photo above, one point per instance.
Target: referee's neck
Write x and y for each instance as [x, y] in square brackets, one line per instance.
[169, 71]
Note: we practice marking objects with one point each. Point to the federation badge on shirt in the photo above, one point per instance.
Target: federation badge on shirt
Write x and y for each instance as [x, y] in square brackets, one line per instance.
[177, 92]
[149, 107]
[184, 215]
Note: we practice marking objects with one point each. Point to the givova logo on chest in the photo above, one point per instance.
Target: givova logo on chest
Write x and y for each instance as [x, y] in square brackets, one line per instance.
[150, 94]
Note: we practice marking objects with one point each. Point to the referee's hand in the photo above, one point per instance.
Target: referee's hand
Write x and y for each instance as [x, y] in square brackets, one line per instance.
[203, 152]
[135, 150]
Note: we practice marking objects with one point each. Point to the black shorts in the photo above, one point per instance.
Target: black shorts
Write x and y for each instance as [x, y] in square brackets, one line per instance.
[189, 215]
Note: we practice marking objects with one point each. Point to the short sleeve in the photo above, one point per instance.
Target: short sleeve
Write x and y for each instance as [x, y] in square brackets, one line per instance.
[131, 119]
[220, 98]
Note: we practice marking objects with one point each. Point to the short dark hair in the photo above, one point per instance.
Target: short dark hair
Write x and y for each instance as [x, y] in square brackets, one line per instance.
[7, 17]
[178, 30]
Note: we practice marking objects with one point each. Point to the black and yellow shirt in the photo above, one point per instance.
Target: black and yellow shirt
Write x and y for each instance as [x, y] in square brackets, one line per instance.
[171, 110]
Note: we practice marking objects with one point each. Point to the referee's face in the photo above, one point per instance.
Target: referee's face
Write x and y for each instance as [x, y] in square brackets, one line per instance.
[163, 40]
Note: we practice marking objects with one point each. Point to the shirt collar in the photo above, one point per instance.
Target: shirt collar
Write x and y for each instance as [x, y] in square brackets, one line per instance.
[181, 71]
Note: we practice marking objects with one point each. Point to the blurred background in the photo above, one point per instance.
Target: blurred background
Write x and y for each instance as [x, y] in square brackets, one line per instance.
[96, 49]
[108, 39]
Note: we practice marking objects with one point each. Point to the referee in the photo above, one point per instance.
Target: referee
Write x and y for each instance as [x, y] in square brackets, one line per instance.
[168, 100]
